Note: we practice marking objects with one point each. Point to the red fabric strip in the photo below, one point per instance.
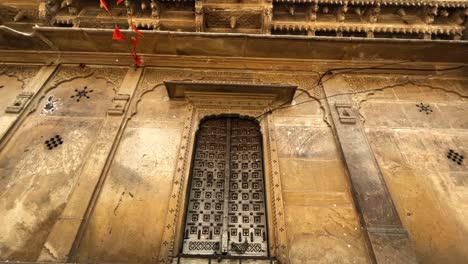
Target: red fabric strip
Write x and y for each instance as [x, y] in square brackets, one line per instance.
[118, 34]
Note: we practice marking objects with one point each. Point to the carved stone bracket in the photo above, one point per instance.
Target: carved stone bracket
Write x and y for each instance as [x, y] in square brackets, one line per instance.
[19, 103]
[119, 104]
[346, 112]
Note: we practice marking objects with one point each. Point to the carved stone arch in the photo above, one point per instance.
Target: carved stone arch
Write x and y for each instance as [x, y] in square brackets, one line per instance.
[23, 74]
[153, 79]
[66, 74]
[29, 101]
[360, 98]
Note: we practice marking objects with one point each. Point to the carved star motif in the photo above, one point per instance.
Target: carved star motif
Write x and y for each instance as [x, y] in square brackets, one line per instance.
[81, 93]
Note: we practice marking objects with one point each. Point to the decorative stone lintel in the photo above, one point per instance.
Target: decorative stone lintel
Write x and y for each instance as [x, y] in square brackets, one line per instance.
[19, 103]
[346, 112]
[119, 104]
[276, 93]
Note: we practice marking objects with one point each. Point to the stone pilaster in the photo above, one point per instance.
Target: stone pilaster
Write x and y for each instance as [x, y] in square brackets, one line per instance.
[70, 226]
[388, 240]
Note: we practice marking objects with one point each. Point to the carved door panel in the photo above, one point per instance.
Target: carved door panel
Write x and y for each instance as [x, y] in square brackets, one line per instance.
[226, 207]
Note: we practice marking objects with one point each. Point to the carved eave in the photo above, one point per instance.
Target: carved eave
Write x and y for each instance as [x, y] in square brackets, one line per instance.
[95, 46]
[355, 27]
[244, 92]
[440, 3]
[91, 18]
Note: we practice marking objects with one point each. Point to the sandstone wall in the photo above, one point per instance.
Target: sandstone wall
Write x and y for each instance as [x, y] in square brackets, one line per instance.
[127, 162]
[411, 147]
[37, 181]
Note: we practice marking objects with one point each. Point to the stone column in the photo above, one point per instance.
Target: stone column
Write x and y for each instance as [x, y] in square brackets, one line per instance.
[70, 226]
[388, 241]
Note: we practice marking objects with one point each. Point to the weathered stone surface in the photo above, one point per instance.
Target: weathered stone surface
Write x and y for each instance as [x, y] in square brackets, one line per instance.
[127, 223]
[313, 175]
[306, 142]
[429, 190]
[10, 87]
[321, 221]
[327, 234]
[50, 190]
[379, 216]
[37, 180]
[42, 178]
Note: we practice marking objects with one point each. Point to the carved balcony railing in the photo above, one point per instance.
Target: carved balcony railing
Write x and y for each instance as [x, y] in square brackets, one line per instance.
[406, 19]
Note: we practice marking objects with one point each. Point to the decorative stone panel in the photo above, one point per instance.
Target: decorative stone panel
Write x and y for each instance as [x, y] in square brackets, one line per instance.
[119, 104]
[19, 103]
[346, 112]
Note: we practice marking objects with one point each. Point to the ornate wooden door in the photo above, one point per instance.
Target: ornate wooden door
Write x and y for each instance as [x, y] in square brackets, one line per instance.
[226, 208]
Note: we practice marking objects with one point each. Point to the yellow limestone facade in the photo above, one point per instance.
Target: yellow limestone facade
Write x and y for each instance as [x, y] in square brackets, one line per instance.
[319, 131]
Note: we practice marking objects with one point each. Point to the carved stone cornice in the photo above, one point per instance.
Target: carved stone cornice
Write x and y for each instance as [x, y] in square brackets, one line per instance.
[246, 93]
[440, 3]
[364, 27]
[431, 19]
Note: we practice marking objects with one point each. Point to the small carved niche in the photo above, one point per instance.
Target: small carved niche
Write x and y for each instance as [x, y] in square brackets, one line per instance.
[346, 112]
[19, 103]
[119, 104]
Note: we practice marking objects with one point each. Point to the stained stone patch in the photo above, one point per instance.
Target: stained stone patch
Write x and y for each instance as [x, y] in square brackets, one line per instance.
[455, 157]
[83, 93]
[424, 108]
[54, 142]
[50, 106]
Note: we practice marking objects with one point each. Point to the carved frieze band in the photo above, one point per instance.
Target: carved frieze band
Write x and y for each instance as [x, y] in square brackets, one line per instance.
[23, 74]
[281, 243]
[168, 240]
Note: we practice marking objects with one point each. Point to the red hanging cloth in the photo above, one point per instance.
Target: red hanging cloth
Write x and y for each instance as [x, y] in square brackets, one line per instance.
[134, 27]
[134, 54]
[118, 34]
[104, 5]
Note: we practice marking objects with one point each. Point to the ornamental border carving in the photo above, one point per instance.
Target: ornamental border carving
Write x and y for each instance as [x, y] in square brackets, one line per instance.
[171, 240]
[68, 73]
[23, 74]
